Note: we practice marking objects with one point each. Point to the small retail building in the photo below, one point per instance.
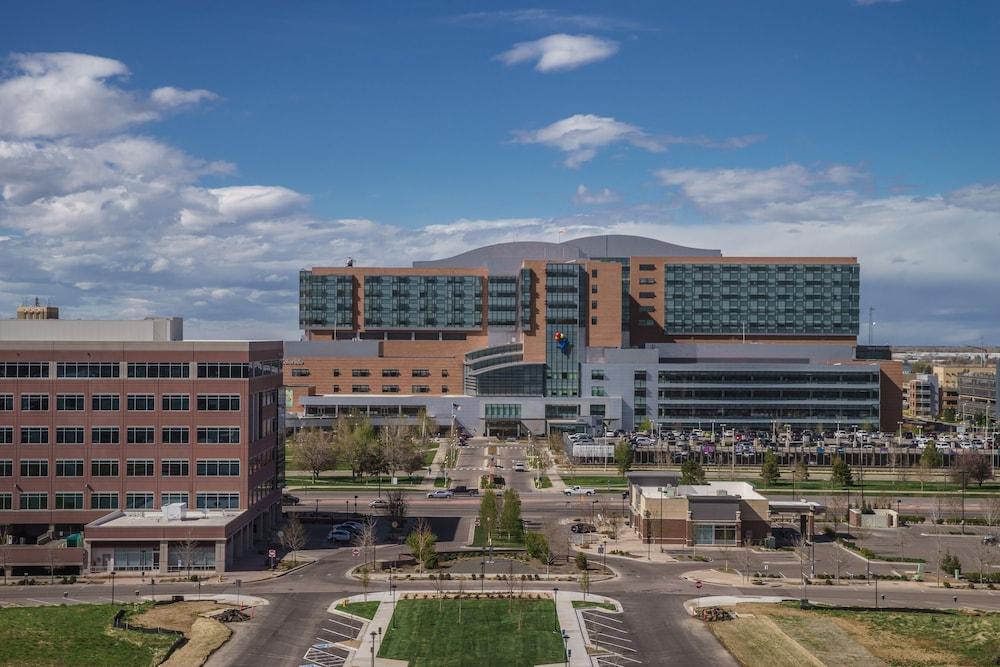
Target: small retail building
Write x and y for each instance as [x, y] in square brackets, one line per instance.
[719, 513]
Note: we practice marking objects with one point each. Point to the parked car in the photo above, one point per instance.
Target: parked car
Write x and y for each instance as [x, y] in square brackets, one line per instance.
[520, 466]
[339, 536]
[990, 539]
[463, 491]
[583, 528]
[578, 491]
[378, 503]
[440, 493]
[353, 529]
[289, 499]
[642, 441]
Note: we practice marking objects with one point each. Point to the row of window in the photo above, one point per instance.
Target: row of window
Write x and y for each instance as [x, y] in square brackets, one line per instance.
[390, 389]
[133, 467]
[390, 372]
[133, 402]
[160, 370]
[99, 500]
[111, 435]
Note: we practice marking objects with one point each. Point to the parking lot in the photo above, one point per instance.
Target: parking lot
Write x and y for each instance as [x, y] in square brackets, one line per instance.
[324, 652]
[609, 631]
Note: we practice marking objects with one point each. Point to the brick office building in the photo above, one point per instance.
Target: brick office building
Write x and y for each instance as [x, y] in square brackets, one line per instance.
[166, 454]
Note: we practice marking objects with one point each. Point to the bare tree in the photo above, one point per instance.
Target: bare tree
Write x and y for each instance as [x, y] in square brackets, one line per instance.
[367, 539]
[438, 582]
[991, 510]
[836, 505]
[397, 507]
[461, 596]
[839, 559]
[510, 584]
[985, 558]
[188, 551]
[365, 577]
[313, 448]
[294, 536]
[585, 582]
[937, 512]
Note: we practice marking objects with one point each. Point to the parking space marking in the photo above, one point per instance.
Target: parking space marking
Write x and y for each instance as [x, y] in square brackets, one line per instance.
[349, 625]
[608, 638]
[604, 617]
[610, 627]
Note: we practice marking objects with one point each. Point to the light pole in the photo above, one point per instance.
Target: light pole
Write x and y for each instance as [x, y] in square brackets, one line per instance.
[112, 586]
[238, 582]
[649, 555]
[355, 505]
[565, 638]
[899, 527]
[373, 633]
[152, 588]
[392, 589]
[660, 489]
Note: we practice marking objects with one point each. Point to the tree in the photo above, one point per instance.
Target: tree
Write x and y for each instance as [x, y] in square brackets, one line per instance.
[397, 506]
[294, 536]
[840, 473]
[801, 471]
[836, 508]
[368, 538]
[949, 415]
[488, 511]
[537, 546]
[623, 457]
[581, 561]
[645, 425]
[460, 596]
[769, 472]
[365, 577]
[930, 458]
[950, 562]
[188, 551]
[510, 515]
[439, 584]
[991, 510]
[585, 583]
[361, 447]
[972, 465]
[313, 449]
[421, 543]
[692, 472]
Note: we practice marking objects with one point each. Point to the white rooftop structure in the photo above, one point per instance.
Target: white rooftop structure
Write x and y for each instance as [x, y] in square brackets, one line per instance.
[713, 489]
[152, 329]
[171, 519]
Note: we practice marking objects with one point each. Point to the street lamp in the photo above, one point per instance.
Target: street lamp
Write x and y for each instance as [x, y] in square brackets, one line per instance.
[355, 505]
[660, 489]
[373, 633]
[152, 588]
[899, 527]
[565, 638]
[392, 589]
[112, 586]
[649, 556]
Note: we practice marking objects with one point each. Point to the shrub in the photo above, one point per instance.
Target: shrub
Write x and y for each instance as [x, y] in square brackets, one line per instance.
[581, 561]
[950, 562]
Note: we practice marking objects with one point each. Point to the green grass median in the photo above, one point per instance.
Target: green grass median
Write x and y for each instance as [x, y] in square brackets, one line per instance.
[489, 633]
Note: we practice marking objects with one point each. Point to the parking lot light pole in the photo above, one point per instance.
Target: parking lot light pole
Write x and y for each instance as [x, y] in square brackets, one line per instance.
[355, 505]
[373, 633]
[112, 586]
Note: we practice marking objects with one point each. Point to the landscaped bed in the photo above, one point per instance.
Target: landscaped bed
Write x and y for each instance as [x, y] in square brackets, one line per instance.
[491, 633]
[76, 635]
[362, 609]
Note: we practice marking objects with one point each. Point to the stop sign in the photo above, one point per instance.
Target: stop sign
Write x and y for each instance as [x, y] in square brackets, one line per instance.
[271, 553]
[697, 584]
[357, 552]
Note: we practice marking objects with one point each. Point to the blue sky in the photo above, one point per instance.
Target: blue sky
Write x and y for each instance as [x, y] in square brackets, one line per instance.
[301, 133]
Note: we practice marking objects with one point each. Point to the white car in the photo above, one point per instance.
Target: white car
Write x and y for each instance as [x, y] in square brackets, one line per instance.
[339, 536]
[440, 493]
[377, 503]
[578, 491]
[520, 467]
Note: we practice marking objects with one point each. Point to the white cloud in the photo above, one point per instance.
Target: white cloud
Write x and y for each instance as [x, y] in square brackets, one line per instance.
[560, 52]
[62, 94]
[580, 136]
[585, 196]
[548, 19]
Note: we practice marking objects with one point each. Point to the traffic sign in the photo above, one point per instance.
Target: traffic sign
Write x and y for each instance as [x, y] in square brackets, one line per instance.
[355, 552]
[478, 522]
[697, 584]
[600, 548]
[271, 553]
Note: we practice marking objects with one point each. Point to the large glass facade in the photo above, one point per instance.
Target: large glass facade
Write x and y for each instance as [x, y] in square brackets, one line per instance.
[527, 303]
[820, 299]
[762, 397]
[512, 380]
[423, 302]
[501, 305]
[565, 327]
[325, 300]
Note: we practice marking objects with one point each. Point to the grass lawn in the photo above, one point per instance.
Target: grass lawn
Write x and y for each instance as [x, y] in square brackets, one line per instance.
[362, 609]
[427, 633]
[440, 482]
[499, 538]
[785, 484]
[598, 482]
[430, 453]
[583, 604]
[543, 482]
[339, 482]
[75, 635]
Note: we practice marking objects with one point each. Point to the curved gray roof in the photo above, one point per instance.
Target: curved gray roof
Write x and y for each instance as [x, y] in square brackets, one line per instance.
[506, 258]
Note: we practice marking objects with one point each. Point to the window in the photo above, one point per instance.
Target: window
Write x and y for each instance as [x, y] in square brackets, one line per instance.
[218, 435]
[34, 402]
[336, 372]
[174, 468]
[159, 370]
[69, 402]
[175, 435]
[217, 501]
[360, 372]
[69, 501]
[139, 501]
[6, 402]
[444, 372]
[593, 320]
[141, 402]
[593, 273]
[218, 468]
[86, 369]
[6, 468]
[646, 322]
[69, 435]
[300, 373]
[104, 468]
[141, 435]
[647, 281]
[390, 372]
[6, 500]
[173, 498]
[6, 435]
[24, 369]
[219, 402]
[176, 402]
[223, 370]
[69, 468]
[105, 402]
[647, 295]
[597, 410]
[593, 305]
[596, 375]
[420, 373]
[34, 468]
[140, 468]
[34, 501]
[390, 389]
[444, 389]
[593, 289]
[647, 309]
[104, 435]
[336, 388]
[34, 435]
[597, 391]
[360, 388]
[420, 389]
[100, 500]
[647, 267]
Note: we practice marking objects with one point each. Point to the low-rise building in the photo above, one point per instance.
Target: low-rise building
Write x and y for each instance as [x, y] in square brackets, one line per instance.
[719, 513]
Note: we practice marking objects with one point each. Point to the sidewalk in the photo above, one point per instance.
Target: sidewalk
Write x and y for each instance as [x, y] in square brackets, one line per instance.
[630, 543]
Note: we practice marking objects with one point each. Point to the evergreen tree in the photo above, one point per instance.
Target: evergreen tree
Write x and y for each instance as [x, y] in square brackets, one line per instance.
[488, 511]
[931, 457]
[692, 472]
[769, 472]
[510, 515]
[623, 457]
[841, 474]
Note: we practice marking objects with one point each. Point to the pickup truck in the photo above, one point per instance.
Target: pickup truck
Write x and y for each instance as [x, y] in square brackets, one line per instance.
[464, 491]
[578, 491]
